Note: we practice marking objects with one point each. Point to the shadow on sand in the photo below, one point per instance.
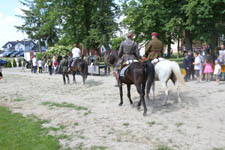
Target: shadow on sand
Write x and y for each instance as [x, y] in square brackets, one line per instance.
[172, 104]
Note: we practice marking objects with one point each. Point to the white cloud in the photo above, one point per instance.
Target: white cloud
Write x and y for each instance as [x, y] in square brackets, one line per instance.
[8, 32]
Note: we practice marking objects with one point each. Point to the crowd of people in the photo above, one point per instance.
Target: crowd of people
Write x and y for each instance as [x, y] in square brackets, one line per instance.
[200, 66]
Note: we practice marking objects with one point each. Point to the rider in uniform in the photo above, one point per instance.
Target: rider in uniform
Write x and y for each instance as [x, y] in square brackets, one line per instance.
[154, 49]
[128, 52]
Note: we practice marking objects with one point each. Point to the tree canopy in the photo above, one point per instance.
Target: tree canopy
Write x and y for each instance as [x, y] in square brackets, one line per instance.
[67, 21]
[93, 23]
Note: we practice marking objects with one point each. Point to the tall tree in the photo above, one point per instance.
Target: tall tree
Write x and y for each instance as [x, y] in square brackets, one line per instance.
[195, 19]
[39, 21]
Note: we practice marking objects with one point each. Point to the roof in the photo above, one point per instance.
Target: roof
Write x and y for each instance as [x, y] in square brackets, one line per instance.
[16, 42]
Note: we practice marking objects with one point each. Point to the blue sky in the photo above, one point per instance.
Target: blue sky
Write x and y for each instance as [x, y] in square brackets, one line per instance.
[8, 10]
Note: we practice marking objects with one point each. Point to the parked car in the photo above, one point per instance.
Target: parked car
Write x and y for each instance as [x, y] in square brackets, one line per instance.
[3, 62]
[20, 54]
[5, 54]
[10, 55]
[16, 53]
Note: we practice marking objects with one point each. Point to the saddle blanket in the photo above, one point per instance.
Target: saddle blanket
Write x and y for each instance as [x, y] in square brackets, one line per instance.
[123, 70]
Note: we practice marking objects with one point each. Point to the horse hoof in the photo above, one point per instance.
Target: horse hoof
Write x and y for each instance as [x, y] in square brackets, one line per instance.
[120, 104]
[179, 100]
[145, 114]
[139, 107]
[164, 104]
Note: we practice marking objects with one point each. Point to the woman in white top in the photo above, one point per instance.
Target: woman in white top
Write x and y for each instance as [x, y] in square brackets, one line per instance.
[197, 66]
[76, 51]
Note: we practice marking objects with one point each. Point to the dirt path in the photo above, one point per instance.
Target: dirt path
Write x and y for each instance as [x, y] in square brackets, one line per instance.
[197, 123]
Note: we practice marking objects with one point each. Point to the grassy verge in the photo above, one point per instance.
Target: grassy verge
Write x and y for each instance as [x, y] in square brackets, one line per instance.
[20, 133]
[65, 105]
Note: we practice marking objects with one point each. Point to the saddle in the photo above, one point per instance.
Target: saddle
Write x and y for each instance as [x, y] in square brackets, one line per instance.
[125, 65]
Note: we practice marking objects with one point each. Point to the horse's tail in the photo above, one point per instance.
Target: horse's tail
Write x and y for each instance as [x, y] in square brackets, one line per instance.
[177, 72]
[150, 70]
[85, 69]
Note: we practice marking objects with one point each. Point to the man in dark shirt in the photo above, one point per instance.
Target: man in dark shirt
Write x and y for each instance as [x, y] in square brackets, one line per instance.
[190, 61]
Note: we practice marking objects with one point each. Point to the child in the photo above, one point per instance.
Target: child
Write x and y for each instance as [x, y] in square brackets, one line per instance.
[208, 68]
[197, 65]
[217, 71]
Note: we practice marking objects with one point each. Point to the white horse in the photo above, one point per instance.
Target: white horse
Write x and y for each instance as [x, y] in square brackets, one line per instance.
[165, 70]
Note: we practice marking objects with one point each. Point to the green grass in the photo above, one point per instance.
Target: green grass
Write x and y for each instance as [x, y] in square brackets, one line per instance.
[126, 124]
[65, 105]
[94, 147]
[179, 124]
[18, 99]
[151, 123]
[221, 148]
[163, 147]
[24, 133]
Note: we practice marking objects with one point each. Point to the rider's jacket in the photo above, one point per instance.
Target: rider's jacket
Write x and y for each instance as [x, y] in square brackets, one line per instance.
[128, 50]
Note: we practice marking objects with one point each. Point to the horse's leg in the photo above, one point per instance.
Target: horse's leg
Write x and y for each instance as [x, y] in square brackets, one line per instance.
[83, 76]
[166, 92]
[74, 79]
[178, 92]
[153, 90]
[128, 93]
[64, 79]
[68, 79]
[142, 97]
[148, 89]
[121, 94]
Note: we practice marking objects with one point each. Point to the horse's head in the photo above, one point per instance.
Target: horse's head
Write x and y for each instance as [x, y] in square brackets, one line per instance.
[111, 57]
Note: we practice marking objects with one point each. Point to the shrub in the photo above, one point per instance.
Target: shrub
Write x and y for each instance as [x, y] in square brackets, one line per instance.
[59, 50]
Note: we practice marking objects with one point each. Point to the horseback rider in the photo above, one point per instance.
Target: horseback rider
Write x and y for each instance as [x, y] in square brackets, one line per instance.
[64, 68]
[154, 49]
[128, 52]
[76, 55]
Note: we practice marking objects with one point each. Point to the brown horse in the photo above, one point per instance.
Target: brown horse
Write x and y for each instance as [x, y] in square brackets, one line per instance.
[137, 73]
[80, 66]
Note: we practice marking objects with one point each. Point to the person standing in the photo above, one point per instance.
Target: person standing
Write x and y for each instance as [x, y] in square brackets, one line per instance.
[64, 68]
[208, 67]
[34, 62]
[40, 65]
[191, 60]
[217, 71]
[197, 65]
[50, 66]
[154, 49]
[186, 66]
[1, 75]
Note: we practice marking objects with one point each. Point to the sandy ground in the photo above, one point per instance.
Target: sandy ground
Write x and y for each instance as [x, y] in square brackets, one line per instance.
[197, 123]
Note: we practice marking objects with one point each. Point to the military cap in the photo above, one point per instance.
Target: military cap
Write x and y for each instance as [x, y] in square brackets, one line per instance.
[154, 34]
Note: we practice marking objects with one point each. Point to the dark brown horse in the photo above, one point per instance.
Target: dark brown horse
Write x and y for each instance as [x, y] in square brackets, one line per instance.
[80, 66]
[137, 73]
